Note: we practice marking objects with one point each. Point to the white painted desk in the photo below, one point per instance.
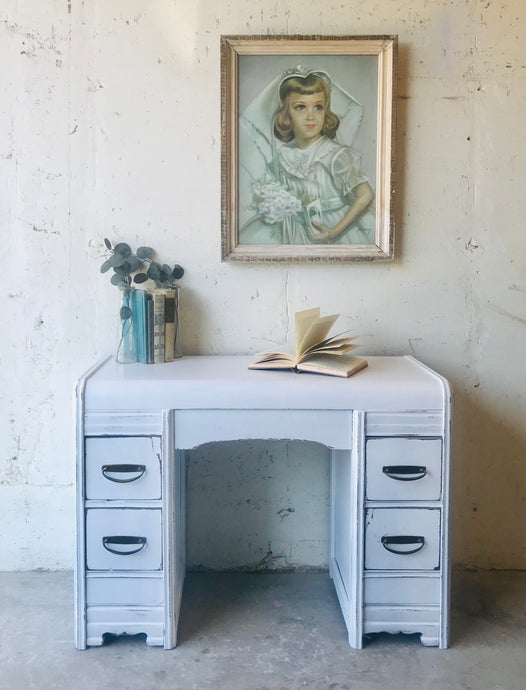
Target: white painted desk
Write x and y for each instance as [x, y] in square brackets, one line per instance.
[388, 431]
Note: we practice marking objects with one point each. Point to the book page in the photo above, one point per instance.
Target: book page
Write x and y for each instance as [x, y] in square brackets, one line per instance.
[268, 356]
[316, 333]
[334, 343]
[273, 360]
[303, 320]
[340, 350]
[275, 357]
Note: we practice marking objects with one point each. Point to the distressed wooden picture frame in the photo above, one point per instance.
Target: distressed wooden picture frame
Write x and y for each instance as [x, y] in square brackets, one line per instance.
[297, 184]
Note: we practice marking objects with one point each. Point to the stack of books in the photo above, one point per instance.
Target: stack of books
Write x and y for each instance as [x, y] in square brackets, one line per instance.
[155, 317]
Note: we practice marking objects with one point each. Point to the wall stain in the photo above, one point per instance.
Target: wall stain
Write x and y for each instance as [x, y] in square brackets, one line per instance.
[508, 314]
[472, 245]
[285, 512]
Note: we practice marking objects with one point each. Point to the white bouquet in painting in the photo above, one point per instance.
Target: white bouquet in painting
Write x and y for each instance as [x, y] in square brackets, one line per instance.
[273, 202]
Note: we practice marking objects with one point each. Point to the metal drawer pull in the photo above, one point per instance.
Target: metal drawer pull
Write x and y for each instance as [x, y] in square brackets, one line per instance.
[123, 469]
[389, 542]
[124, 541]
[405, 473]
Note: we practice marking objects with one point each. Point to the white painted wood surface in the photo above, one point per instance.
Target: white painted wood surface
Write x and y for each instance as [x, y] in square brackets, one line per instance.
[402, 468]
[330, 427]
[125, 589]
[117, 525]
[421, 526]
[224, 382]
[393, 414]
[123, 467]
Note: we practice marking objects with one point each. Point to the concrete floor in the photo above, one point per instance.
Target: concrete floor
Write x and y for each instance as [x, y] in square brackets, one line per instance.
[263, 632]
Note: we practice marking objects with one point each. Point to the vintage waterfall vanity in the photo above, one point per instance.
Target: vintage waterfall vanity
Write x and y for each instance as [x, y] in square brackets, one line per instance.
[388, 431]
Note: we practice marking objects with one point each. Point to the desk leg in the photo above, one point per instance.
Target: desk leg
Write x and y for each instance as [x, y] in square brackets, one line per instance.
[346, 558]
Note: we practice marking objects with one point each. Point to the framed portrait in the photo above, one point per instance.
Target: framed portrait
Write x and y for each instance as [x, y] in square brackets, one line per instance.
[307, 127]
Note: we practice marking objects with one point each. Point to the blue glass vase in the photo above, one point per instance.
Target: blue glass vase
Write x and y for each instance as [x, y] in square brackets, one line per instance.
[127, 349]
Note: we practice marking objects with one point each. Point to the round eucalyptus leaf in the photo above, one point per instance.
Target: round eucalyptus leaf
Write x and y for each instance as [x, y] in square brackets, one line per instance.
[163, 276]
[116, 279]
[178, 271]
[123, 270]
[116, 260]
[154, 271]
[140, 278]
[107, 243]
[106, 266]
[126, 313]
[134, 263]
[123, 249]
[144, 252]
[167, 269]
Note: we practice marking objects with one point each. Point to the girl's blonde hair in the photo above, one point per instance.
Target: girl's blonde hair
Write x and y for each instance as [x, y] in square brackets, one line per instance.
[306, 86]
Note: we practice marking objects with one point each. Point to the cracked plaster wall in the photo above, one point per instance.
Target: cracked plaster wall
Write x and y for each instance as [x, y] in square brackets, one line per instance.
[110, 125]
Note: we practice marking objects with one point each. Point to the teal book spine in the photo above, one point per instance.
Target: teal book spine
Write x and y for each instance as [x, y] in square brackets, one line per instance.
[141, 325]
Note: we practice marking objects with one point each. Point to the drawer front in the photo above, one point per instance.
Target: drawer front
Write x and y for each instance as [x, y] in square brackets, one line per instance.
[130, 591]
[402, 590]
[123, 467]
[123, 539]
[403, 469]
[402, 539]
[404, 423]
[424, 620]
[125, 620]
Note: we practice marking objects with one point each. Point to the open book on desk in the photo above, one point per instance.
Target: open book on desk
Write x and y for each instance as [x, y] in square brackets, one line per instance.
[314, 350]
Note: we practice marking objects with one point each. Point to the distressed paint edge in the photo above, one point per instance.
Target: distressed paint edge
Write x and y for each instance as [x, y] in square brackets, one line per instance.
[80, 538]
[447, 405]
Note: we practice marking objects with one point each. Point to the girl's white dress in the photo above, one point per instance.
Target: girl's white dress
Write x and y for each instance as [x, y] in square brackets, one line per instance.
[321, 177]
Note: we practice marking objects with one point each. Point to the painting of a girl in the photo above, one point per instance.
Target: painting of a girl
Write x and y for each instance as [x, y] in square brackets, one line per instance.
[312, 190]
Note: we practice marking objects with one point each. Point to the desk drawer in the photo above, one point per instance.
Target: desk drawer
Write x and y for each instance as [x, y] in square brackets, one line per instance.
[123, 539]
[402, 539]
[123, 467]
[136, 591]
[397, 591]
[403, 469]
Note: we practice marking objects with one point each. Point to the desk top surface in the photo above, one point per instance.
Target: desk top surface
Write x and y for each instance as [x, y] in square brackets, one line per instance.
[225, 382]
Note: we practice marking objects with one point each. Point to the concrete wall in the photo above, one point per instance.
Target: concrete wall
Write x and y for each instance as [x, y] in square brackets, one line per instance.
[110, 126]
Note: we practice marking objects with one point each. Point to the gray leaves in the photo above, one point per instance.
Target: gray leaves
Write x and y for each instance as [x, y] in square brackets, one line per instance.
[144, 252]
[126, 264]
[125, 313]
[178, 272]
[140, 278]
[123, 249]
